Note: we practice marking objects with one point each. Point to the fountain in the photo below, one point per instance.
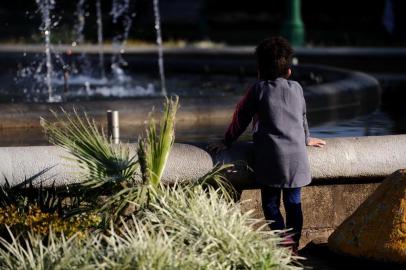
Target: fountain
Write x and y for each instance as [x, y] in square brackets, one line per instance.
[84, 66]
[120, 12]
[100, 39]
[46, 7]
[210, 84]
[69, 76]
[160, 47]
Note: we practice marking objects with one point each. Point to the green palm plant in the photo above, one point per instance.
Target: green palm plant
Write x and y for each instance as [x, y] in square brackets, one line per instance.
[102, 163]
[153, 150]
[106, 169]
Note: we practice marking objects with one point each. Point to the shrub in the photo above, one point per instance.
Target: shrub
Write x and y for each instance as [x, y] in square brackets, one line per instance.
[182, 229]
[39, 222]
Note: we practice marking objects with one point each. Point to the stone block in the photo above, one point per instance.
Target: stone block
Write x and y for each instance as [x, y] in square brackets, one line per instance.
[377, 229]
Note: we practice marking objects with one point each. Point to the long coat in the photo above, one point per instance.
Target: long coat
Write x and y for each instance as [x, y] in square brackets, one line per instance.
[278, 111]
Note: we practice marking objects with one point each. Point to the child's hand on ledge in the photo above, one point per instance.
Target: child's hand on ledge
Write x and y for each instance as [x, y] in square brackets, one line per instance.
[216, 147]
[316, 142]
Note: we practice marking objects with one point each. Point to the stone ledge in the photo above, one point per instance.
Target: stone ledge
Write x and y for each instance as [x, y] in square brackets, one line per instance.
[368, 159]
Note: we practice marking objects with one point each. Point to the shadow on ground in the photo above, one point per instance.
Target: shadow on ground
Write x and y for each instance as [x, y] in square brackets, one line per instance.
[319, 257]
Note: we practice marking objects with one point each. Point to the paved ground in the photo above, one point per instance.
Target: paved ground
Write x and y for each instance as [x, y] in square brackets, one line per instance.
[319, 257]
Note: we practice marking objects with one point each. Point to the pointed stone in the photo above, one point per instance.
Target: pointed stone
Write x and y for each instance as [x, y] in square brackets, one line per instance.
[377, 229]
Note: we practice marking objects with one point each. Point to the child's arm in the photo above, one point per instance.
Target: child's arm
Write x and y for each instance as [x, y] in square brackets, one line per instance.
[305, 125]
[309, 140]
[242, 117]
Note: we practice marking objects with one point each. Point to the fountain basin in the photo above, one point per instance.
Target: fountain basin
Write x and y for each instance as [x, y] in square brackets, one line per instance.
[360, 160]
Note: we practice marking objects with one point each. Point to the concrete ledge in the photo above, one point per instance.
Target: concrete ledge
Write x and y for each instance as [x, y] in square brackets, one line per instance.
[342, 161]
[363, 158]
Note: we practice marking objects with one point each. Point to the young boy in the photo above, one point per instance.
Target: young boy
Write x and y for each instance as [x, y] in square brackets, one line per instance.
[280, 134]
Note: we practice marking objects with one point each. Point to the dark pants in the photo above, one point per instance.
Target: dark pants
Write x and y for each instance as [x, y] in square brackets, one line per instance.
[271, 198]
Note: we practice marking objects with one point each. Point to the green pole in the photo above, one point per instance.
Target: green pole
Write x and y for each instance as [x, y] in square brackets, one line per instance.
[293, 27]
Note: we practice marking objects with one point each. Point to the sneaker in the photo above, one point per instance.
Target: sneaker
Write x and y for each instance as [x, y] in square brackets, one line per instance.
[295, 249]
[289, 243]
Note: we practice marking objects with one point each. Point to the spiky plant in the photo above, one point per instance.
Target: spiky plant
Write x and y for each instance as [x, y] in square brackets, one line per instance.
[29, 192]
[182, 229]
[102, 163]
[153, 150]
[106, 169]
[216, 178]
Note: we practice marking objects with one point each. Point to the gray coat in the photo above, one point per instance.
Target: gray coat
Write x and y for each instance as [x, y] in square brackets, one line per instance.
[278, 111]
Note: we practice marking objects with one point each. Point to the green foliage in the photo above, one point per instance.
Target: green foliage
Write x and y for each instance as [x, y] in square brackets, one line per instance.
[35, 220]
[108, 171]
[215, 178]
[103, 164]
[182, 228]
[30, 207]
[29, 193]
[153, 150]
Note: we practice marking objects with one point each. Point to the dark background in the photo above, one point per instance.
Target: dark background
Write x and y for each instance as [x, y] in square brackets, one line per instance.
[328, 23]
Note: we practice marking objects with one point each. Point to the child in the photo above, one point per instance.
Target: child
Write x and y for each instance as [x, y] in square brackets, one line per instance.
[280, 134]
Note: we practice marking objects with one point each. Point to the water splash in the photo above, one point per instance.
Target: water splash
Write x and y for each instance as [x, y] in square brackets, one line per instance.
[45, 7]
[121, 14]
[58, 76]
[80, 23]
[160, 47]
[119, 8]
[84, 65]
[99, 22]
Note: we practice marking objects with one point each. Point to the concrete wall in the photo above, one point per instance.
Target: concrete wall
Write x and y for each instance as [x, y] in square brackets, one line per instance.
[324, 207]
[342, 161]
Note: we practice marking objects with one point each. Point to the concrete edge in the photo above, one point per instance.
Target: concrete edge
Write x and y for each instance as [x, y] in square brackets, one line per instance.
[354, 158]
[222, 49]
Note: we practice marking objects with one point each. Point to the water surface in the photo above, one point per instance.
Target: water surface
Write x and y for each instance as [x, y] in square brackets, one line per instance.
[379, 122]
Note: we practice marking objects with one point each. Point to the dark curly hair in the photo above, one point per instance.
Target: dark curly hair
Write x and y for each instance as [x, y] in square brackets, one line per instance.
[274, 57]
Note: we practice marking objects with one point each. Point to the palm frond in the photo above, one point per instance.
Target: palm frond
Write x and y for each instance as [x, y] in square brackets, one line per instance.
[100, 161]
[154, 149]
[216, 178]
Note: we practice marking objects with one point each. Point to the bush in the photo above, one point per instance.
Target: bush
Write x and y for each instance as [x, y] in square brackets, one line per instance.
[182, 228]
[39, 222]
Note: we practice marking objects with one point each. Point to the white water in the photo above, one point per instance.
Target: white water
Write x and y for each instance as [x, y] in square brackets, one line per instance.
[120, 14]
[45, 7]
[100, 39]
[84, 65]
[160, 47]
[55, 78]
[80, 23]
